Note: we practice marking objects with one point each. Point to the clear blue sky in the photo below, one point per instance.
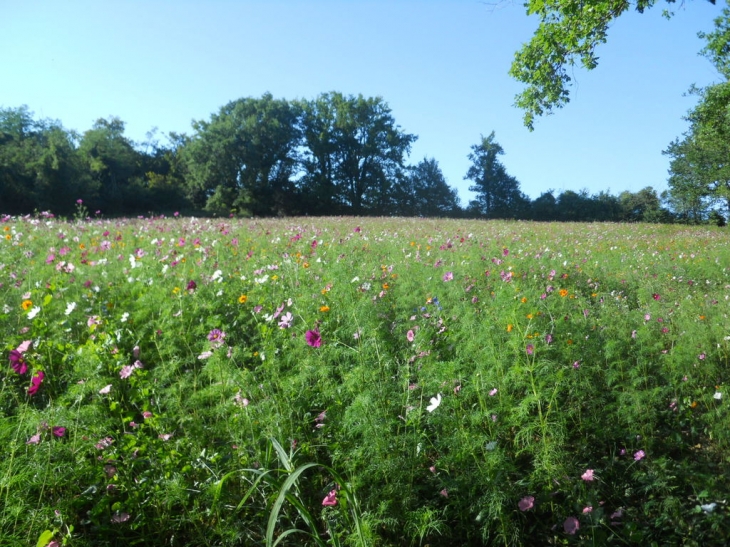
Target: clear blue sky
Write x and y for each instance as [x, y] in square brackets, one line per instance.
[441, 65]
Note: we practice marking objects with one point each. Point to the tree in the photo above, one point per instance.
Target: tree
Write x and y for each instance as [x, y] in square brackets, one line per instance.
[498, 194]
[700, 162]
[423, 191]
[245, 158]
[354, 153]
[568, 34]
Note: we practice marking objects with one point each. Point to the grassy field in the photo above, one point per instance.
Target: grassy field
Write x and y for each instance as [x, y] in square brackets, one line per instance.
[371, 382]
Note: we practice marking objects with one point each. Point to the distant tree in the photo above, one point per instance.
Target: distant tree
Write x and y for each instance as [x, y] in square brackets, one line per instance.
[353, 154]
[245, 158]
[643, 206]
[423, 191]
[498, 194]
[544, 207]
[114, 164]
[40, 167]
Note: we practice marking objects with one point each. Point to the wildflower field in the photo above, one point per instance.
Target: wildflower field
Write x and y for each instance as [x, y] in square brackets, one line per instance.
[367, 382]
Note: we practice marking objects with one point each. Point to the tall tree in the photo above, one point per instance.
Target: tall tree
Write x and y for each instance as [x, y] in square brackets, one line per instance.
[354, 153]
[700, 161]
[245, 157]
[498, 193]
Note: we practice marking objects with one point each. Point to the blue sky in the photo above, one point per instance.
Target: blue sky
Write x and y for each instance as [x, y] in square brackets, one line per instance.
[440, 65]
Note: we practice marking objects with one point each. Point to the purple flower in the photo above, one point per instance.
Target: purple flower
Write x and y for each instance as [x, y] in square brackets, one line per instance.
[330, 499]
[35, 382]
[448, 276]
[526, 503]
[18, 362]
[530, 349]
[313, 338]
[58, 431]
[571, 525]
[192, 285]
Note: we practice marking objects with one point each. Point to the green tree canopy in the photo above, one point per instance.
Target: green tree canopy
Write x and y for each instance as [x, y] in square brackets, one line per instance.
[498, 193]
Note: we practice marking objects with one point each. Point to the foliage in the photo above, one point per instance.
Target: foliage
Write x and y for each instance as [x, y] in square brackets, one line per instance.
[443, 382]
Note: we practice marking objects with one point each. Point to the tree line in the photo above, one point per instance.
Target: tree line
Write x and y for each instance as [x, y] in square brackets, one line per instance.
[334, 155]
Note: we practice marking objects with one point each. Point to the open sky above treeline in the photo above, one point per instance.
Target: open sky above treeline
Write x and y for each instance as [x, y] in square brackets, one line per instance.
[441, 66]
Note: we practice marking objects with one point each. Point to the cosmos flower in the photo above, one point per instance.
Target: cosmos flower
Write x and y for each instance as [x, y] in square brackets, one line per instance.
[18, 362]
[330, 499]
[526, 503]
[35, 382]
[435, 402]
[313, 338]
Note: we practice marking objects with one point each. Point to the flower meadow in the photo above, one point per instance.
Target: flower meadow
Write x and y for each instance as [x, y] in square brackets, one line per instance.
[371, 382]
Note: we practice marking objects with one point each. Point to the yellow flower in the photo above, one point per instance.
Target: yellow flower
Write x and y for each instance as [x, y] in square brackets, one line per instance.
[8, 237]
[176, 290]
[27, 304]
[274, 277]
[523, 300]
[306, 265]
[509, 327]
[324, 309]
[242, 299]
[530, 316]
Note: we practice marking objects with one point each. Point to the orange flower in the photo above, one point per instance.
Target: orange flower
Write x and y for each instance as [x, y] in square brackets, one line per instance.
[509, 327]
[324, 309]
[386, 286]
[530, 316]
[27, 304]
[563, 292]
[523, 300]
[306, 265]
[242, 299]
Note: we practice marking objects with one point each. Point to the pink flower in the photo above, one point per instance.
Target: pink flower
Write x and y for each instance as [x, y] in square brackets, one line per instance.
[330, 499]
[410, 335]
[639, 455]
[493, 392]
[655, 296]
[444, 493]
[530, 349]
[24, 346]
[587, 509]
[588, 475]
[448, 276]
[35, 439]
[58, 431]
[35, 382]
[571, 525]
[120, 517]
[313, 338]
[146, 414]
[526, 503]
[432, 469]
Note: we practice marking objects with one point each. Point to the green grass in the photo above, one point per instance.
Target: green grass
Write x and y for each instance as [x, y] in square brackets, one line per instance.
[555, 349]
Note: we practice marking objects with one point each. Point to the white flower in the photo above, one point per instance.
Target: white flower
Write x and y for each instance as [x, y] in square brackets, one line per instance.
[217, 276]
[261, 280]
[205, 355]
[70, 307]
[105, 390]
[125, 316]
[435, 402]
[717, 395]
[709, 508]
[33, 312]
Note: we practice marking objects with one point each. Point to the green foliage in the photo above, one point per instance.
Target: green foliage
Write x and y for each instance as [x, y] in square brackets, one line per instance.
[470, 376]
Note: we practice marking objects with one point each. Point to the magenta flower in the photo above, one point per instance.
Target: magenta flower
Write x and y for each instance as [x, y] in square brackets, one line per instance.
[313, 338]
[655, 296]
[35, 382]
[192, 285]
[571, 525]
[526, 503]
[58, 431]
[216, 337]
[18, 362]
[330, 499]
[530, 349]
